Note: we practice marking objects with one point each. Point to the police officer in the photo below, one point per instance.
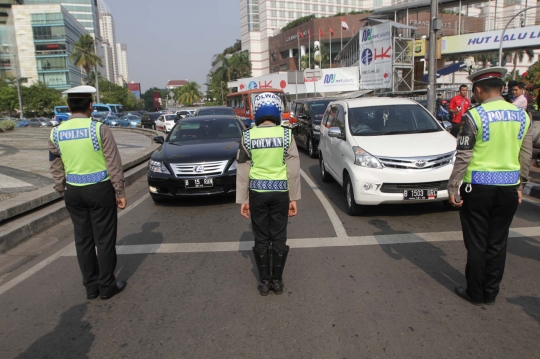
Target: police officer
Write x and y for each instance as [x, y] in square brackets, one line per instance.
[493, 159]
[268, 186]
[87, 170]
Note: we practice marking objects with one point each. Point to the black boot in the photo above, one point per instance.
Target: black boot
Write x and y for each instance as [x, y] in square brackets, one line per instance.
[278, 263]
[263, 265]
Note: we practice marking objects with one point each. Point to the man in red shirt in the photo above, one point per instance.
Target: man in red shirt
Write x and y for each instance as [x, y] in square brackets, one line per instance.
[458, 106]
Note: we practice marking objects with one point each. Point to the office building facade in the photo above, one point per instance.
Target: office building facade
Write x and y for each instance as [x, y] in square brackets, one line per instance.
[43, 36]
[108, 40]
[123, 69]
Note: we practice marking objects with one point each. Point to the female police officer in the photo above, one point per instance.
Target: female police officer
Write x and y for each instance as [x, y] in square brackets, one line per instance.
[268, 186]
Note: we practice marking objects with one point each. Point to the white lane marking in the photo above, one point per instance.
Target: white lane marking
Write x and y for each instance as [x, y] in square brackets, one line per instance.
[65, 251]
[336, 222]
[536, 203]
[452, 236]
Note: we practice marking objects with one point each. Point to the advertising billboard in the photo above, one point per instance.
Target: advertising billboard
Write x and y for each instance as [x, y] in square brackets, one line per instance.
[135, 88]
[376, 56]
[491, 40]
[332, 80]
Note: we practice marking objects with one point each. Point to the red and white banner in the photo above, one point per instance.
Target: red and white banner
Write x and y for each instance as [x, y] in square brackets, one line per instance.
[344, 25]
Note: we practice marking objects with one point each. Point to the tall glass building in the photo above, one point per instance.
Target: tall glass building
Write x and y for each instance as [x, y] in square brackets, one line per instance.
[6, 43]
[44, 36]
[85, 11]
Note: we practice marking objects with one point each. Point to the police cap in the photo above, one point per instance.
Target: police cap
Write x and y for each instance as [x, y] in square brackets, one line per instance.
[489, 73]
[80, 92]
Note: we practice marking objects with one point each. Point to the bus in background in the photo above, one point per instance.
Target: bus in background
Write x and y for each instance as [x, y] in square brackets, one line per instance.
[61, 113]
[241, 102]
[116, 108]
[102, 109]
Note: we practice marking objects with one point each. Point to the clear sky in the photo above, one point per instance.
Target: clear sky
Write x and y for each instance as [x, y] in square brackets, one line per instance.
[174, 39]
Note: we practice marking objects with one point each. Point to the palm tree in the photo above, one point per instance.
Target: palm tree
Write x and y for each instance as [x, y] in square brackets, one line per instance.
[519, 55]
[239, 66]
[84, 54]
[189, 93]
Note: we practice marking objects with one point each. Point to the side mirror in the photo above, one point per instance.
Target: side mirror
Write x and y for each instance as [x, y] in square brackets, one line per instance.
[302, 116]
[159, 139]
[334, 132]
[447, 125]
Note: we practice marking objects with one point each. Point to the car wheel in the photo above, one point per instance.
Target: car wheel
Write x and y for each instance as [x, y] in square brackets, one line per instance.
[311, 148]
[353, 209]
[325, 176]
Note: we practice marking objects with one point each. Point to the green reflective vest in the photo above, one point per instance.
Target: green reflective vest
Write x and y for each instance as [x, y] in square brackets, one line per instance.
[79, 143]
[267, 147]
[501, 129]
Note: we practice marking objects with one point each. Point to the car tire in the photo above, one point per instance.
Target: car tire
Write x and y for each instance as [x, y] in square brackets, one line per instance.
[312, 151]
[353, 209]
[325, 176]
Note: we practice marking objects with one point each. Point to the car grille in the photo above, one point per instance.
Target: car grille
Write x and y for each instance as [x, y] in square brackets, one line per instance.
[199, 169]
[400, 187]
[418, 163]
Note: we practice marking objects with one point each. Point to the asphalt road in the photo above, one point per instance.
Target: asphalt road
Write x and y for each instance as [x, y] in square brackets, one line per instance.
[376, 286]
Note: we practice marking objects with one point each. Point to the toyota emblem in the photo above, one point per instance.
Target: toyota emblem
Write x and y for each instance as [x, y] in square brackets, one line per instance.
[198, 168]
[420, 163]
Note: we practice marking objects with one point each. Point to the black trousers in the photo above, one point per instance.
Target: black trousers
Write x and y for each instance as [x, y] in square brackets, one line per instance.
[269, 218]
[94, 216]
[486, 215]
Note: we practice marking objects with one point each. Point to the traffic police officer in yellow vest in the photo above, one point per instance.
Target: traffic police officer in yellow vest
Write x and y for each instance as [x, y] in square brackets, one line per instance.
[492, 166]
[268, 186]
[87, 170]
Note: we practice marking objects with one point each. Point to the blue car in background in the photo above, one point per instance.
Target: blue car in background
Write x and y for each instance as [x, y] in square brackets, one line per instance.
[22, 123]
[111, 121]
[61, 113]
[130, 121]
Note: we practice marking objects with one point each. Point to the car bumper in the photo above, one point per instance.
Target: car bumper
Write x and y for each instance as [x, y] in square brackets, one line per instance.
[170, 186]
[378, 186]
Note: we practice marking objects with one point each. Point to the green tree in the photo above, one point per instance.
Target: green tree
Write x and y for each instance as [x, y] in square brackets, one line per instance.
[8, 97]
[148, 98]
[239, 66]
[323, 57]
[84, 54]
[519, 55]
[188, 94]
[40, 100]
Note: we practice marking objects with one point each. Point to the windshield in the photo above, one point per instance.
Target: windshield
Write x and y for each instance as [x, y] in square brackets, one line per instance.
[170, 117]
[132, 118]
[62, 109]
[391, 120]
[317, 110]
[192, 129]
[216, 111]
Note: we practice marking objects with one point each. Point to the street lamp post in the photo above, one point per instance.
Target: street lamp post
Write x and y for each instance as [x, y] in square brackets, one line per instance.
[434, 25]
[18, 79]
[506, 27]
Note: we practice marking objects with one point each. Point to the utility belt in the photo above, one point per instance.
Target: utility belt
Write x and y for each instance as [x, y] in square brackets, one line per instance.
[268, 185]
[470, 187]
[93, 186]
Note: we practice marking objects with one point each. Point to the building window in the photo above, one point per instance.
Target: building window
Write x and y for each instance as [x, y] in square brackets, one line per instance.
[48, 18]
[273, 4]
[306, 7]
[282, 14]
[281, 5]
[273, 13]
[315, 7]
[273, 69]
[330, 9]
[298, 15]
[291, 15]
[283, 67]
[54, 78]
[511, 2]
[338, 9]
[323, 8]
[51, 63]
[298, 6]
[377, 3]
[290, 5]
[273, 23]
[49, 32]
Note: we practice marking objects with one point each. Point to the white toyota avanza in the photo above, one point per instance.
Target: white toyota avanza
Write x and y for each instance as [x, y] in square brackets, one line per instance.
[385, 150]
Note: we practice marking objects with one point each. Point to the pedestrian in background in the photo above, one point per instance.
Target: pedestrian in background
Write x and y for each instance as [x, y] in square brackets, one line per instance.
[267, 187]
[518, 90]
[87, 171]
[493, 159]
[459, 104]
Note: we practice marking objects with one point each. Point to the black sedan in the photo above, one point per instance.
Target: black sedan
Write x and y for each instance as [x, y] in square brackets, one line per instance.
[198, 158]
[148, 120]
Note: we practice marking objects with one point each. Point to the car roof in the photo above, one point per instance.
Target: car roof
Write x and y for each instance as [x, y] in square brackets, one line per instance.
[310, 100]
[214, 108]
[210, 117]
[377, 101]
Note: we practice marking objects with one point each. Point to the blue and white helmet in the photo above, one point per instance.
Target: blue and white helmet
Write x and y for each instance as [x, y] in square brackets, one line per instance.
[266, 105]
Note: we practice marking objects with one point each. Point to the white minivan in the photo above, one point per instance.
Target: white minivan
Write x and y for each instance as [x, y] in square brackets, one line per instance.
[385, 150]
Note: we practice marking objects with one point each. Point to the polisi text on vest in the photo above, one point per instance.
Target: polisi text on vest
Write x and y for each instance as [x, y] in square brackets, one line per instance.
[75, 134]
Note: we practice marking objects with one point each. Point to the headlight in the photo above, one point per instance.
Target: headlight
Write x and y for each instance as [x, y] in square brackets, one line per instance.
[316, 127]
[132, 123]
[364, 159]
[233, 166]
[113, 123]
[158, 167]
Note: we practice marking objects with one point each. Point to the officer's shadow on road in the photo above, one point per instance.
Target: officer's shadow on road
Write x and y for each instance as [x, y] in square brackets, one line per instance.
[128, 264]
[530, 305]
[247, 236]
[71, 338]
[525, 247]
[422, 254]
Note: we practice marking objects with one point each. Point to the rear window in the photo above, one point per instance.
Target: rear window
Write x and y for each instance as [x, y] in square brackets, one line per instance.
[317, 110]
[101, 108]
[216, 111]
[391, 120]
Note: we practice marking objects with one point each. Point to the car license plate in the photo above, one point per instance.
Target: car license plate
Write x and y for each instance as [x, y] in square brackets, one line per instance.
[199, 183]
[420, 194]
